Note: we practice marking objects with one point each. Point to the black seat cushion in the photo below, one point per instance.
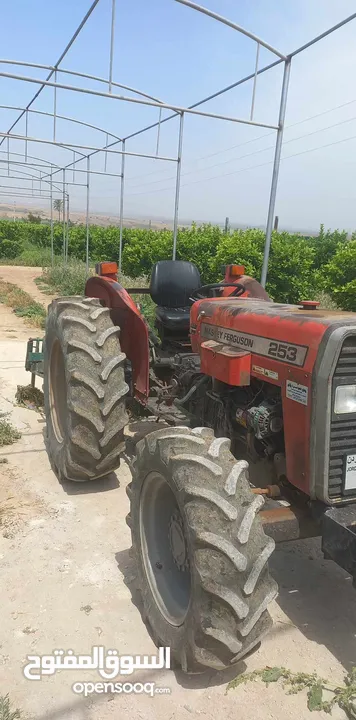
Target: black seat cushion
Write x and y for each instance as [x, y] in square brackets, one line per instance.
[173, 282]
[174, 318]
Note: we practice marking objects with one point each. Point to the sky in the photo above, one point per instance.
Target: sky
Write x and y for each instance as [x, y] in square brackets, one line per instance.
[181, 56]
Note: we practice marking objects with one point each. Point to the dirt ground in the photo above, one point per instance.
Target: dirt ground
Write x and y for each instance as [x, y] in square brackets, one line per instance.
[25, 277]
[66, 581]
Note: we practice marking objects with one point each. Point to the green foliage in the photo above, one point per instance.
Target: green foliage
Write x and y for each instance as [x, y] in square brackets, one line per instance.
[57, 205]
[339, 275]
[291, 276]
[241, 246]
[6, 713]
[34, 218]
[344, 696]
[143, 301]
[30, 255]
[326, 302]
[325, 245]
[299, 268]
[11, 243]
[8, 435]
[66, 279]
[144, 248]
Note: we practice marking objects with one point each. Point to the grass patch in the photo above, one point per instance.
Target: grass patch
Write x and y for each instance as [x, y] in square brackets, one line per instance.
[31, 256]
[8, 436]
[65, 279]
[22, 304]
[6, 713]
[145, 302]
[70, 279]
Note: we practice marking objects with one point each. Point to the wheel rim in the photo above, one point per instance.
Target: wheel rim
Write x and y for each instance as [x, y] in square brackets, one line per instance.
[57, 390]
[164, 548]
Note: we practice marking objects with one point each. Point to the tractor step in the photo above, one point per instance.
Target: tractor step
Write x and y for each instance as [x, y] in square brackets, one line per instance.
[339, 537]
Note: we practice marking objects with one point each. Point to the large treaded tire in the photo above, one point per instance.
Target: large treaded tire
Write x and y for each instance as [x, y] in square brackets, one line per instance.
[226, 546]
[84, 389]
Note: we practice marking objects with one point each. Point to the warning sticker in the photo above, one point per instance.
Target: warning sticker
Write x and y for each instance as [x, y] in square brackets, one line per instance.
[297, 392]
[263, 371]
[350, 472]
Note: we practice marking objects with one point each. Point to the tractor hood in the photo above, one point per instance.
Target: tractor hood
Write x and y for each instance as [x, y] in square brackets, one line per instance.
[250, 324]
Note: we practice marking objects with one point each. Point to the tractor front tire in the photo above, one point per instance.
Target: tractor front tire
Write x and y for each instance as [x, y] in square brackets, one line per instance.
[84, 389]
[200, 550]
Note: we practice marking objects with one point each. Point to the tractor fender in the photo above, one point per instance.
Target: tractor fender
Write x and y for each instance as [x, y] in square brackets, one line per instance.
[133, 329]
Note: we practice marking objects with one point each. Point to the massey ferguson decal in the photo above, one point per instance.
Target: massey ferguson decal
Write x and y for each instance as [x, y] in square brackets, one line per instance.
[284, 352]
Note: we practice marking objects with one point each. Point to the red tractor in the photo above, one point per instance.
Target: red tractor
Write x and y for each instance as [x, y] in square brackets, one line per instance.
[233, 380]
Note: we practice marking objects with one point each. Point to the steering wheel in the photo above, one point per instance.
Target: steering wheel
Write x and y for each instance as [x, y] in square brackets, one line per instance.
[204, 290]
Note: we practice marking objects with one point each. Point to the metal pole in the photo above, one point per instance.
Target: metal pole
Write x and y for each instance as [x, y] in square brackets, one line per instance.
[26, 133]
[64, 53]
[54, 108]
[106, 154]
[176, 201]
[64, 215]
[122, 203]
[233, 25]
[158, 130]
[254, 82]
[138, 101]
[8, 156]
[112, 42]
[87, 215]
[73, 166]
[67, 243]
[276, 163]
[52, 244]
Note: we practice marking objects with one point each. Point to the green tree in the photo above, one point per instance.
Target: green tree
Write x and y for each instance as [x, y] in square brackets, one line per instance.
[36, 219]
[57, 205]
[325, 245]
[339, 276]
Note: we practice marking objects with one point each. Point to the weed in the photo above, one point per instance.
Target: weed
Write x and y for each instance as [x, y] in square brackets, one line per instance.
[6, 713]
[8, 435]
[70, 279]
[344, 695]
[143, 300]
[66, 278]
[22, 304]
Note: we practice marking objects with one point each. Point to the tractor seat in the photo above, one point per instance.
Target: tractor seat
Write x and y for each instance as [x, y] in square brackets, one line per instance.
[174, 318]
[172, 284]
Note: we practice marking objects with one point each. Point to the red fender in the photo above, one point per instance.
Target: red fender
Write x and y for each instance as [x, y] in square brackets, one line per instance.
[134, 332]
[236, 274]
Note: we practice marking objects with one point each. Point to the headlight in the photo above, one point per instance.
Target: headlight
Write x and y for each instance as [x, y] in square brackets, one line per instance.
[345, 399]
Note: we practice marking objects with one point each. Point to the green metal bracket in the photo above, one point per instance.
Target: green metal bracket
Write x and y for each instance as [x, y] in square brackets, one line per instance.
[34, 358]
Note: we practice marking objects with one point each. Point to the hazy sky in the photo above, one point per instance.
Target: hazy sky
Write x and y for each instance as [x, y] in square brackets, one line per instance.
[180, 56]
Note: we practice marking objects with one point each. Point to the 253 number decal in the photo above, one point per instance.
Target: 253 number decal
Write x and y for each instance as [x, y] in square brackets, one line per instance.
[282, 351]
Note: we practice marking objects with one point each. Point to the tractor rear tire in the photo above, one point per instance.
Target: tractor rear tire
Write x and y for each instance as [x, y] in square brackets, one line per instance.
[200, 550]
[84, 389]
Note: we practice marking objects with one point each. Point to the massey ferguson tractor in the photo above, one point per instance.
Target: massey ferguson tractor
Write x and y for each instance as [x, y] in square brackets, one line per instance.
[237, 383]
